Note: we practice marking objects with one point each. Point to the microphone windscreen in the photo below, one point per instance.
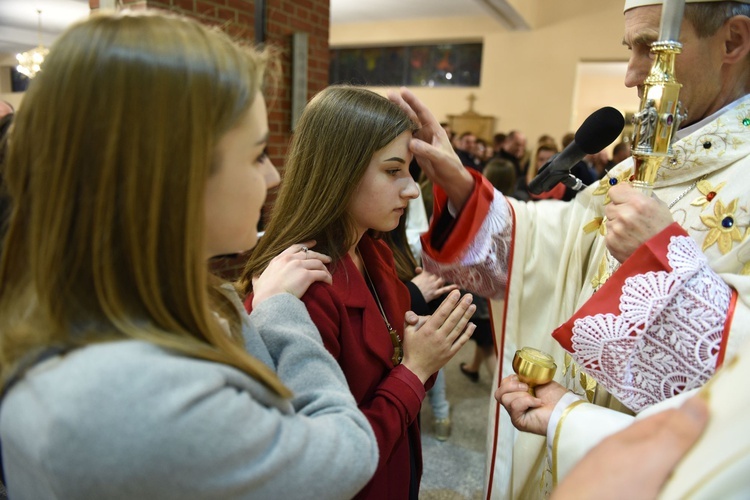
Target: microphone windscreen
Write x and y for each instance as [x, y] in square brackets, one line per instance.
[599, 130]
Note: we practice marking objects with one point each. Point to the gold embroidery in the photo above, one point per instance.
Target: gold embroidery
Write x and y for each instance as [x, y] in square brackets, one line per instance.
[594, 225]
[602, 274]
[588, 384]
[708, 193]
[722, 227]
[604, 183]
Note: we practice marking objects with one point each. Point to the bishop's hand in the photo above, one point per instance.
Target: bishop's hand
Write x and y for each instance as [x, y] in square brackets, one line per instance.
[529, 413]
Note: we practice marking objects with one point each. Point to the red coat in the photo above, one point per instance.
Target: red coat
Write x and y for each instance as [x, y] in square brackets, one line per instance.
[353, 331]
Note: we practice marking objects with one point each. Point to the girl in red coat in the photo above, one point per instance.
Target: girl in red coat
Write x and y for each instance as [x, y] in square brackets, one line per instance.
[346, 181]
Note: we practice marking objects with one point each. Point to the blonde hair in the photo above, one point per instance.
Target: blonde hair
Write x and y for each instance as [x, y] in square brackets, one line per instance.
[107, 166]
[336, 137]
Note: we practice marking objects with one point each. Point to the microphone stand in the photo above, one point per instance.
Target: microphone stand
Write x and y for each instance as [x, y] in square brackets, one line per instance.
[547, 180]
[660, 112]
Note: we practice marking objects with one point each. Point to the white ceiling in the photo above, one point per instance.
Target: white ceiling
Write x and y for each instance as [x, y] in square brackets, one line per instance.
[355, 11]
[19, 18]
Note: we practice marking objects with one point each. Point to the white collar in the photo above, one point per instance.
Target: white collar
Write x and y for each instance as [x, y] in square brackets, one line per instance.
[684, 132]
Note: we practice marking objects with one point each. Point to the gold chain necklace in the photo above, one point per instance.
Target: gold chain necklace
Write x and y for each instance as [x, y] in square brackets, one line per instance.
[398, 350]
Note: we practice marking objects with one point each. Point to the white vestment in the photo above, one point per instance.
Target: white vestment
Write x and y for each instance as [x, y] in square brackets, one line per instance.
[717, 466]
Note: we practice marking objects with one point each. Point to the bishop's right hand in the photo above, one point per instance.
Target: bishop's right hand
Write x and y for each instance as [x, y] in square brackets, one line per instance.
[433, 150]
[529, 413]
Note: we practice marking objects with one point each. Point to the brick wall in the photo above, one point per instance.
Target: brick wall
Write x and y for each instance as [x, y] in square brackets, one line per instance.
[283, 18]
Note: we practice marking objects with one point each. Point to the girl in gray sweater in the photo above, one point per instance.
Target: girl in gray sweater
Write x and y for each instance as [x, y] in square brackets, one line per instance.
[128, 371]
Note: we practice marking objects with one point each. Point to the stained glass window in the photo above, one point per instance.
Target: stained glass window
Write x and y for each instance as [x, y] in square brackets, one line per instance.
[417, 65]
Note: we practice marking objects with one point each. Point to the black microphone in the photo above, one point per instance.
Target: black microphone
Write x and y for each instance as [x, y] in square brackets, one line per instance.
[597, 132]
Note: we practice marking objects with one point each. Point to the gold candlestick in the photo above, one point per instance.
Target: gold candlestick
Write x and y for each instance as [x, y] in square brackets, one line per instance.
[534, 367]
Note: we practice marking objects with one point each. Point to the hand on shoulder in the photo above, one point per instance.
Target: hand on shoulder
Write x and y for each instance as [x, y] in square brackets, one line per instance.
[292, 271]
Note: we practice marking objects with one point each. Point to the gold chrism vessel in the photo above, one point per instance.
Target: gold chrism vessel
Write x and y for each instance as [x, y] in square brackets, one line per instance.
[534, 367]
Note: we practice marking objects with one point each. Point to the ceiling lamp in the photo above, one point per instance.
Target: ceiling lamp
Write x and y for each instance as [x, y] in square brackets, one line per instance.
[30, 62]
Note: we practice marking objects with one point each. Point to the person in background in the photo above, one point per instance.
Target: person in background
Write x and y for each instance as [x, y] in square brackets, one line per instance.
[466, 148]
[128, 371]
[347, 182]
[481, 153]
[547, 140]
[497, 143]
[544, 153]
[598, 164]
[501, 174]
[620, 152]
[514, 149]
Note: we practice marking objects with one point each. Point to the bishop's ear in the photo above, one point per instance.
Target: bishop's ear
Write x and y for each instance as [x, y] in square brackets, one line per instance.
[737, 43]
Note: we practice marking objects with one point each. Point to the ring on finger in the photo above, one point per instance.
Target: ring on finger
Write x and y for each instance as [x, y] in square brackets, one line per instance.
[304, 249]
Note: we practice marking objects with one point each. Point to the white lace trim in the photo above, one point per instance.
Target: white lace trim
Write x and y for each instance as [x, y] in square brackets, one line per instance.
[667, 337]
[483, 269]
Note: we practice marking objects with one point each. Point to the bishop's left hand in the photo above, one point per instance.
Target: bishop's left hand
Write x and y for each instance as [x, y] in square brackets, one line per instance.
[632, 219]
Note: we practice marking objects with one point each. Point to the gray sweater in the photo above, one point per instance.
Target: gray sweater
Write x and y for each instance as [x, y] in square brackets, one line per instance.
[128, 419]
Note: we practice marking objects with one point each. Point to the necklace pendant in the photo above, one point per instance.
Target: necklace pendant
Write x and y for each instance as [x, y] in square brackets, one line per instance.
[398, 351]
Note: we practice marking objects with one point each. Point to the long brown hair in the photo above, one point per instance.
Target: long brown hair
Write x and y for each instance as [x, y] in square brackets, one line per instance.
[403, 258]
[107, 166]
[336, 137]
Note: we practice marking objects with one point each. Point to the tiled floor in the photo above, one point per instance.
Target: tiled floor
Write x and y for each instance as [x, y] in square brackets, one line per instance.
[454, 469]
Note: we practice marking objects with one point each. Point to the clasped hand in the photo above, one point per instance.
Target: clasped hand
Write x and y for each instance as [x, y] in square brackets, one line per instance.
[431, 341]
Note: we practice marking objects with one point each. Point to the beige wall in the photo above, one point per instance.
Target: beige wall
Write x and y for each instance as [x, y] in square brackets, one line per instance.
[529, 78]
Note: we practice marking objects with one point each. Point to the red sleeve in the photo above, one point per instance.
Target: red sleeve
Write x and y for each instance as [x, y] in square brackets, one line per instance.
[556, 193]
[326, 316]
[448, 238]
[649, 257]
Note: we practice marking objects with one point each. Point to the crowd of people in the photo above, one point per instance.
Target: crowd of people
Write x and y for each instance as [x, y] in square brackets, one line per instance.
[129, 370]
